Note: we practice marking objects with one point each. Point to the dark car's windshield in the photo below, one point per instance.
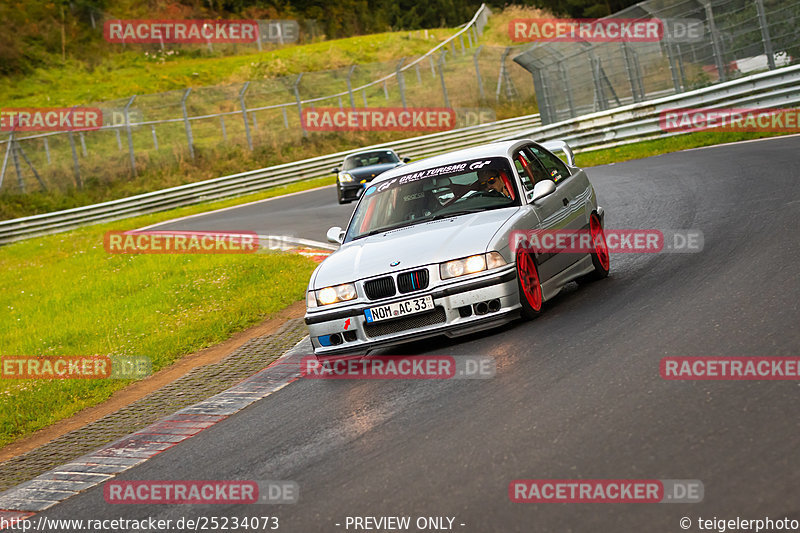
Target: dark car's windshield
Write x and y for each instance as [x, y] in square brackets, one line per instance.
[433, 194]
[378, 157]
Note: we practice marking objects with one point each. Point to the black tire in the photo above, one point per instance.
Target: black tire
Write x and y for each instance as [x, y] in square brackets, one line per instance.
[529, 285]
[600, 257]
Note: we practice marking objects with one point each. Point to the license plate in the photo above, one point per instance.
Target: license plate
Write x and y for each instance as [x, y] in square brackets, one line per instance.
[399, 309]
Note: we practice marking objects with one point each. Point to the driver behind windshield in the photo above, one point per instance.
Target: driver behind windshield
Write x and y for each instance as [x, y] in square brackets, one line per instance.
[489, 181]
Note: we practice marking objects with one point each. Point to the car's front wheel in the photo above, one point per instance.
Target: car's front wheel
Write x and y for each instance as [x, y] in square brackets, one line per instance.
[530, 288]
[600, 256]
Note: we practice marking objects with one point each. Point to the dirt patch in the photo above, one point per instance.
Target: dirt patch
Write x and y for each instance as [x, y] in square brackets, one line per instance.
[140, 389]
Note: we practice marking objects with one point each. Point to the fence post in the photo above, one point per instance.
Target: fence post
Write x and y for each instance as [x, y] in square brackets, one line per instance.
[433, 67]
[46, 149]
[285, 118]
[364, 95]
[244, 115]
[83, 144]
[155, 139]
[130, 135]
[419, 76]
[33, 168]
[401, 81]
[461, 38]
[672, 67]
[350, 86]
[469, 38]
[15, 158]
[299, 103]
[762, 21]
[478, 71]
[119, 139]
[5, 159]
[385, 91]
[567, 88]
[441, 76]
[716, 43]
[599, 93]
[629, 70]
[187, 126]
[75, 167]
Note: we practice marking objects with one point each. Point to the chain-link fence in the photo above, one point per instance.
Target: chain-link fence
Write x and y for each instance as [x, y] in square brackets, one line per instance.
[725, 39]
[161, 129]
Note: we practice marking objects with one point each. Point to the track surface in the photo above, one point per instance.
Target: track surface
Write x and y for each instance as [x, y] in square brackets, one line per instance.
[577, 392]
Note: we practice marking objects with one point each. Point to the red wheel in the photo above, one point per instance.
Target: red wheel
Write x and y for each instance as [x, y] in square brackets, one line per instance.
[600, 257]
[530, 288]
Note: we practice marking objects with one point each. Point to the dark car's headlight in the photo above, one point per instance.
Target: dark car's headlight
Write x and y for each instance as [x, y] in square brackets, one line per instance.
[470, 265]
[331, 295]
[345, 177]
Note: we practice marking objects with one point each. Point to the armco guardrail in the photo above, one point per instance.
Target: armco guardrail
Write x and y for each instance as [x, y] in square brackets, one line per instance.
[626, 124]
[640, 122]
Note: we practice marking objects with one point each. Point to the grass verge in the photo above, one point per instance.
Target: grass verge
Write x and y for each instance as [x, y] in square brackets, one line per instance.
[64, 295]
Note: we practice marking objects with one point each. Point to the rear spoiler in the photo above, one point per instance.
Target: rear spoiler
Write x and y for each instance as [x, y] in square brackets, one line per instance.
[560, 146]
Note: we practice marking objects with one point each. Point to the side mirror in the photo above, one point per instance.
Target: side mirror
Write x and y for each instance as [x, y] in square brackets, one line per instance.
[406, 159]
[542, 189]
[335, 170]
[335, 235]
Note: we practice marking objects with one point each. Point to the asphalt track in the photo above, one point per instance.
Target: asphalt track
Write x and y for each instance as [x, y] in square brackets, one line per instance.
[577, 392]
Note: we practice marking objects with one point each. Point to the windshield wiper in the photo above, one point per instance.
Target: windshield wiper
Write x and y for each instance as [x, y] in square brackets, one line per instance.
[381, 230]
[455, 213]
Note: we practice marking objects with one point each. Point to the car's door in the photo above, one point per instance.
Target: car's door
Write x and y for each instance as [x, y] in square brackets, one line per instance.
[548, 213]
[572, 189]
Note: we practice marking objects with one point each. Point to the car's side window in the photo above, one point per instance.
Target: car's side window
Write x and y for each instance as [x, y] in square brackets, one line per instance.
[556, 169]
[529, 169]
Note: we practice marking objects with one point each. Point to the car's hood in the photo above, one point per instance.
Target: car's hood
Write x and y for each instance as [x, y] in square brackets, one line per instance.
[371, 171]
[422, 244]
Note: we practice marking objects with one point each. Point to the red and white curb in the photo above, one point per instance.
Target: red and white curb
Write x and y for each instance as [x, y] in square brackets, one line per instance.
[55, 486]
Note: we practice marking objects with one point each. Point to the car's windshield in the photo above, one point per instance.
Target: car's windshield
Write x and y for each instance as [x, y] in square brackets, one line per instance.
[378, 157]
[434, 193]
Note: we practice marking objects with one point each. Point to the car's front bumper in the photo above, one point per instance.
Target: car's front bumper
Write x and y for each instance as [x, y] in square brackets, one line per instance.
[351, 190]
[344, 330]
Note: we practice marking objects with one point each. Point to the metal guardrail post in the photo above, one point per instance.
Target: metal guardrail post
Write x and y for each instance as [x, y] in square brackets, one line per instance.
[244, 115]
[441, 77]
[129, 134]
[299, 102]
[401, 81]
[350, 86]
[765, 38]
[716, 42]
[478, 72]
[186, 124]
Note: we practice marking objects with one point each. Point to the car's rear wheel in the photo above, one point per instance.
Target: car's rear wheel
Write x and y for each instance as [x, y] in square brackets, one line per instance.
[600, 256]
[530, 288]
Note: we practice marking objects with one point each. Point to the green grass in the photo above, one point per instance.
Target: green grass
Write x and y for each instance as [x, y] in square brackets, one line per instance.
[132, 72]
[64, 295]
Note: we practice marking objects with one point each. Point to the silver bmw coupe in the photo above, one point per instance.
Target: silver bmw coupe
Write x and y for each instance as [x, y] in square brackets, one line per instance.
[428, 250]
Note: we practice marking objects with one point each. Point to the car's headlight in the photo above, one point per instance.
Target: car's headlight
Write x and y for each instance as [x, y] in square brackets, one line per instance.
[344, 177]
[338, 293]
[470, 265]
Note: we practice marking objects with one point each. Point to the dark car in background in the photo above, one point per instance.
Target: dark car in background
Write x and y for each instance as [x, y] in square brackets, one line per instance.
[360, 168]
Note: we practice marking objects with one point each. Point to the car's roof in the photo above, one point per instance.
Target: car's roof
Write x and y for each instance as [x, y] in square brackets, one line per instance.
[495, 149]
[362, 152]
